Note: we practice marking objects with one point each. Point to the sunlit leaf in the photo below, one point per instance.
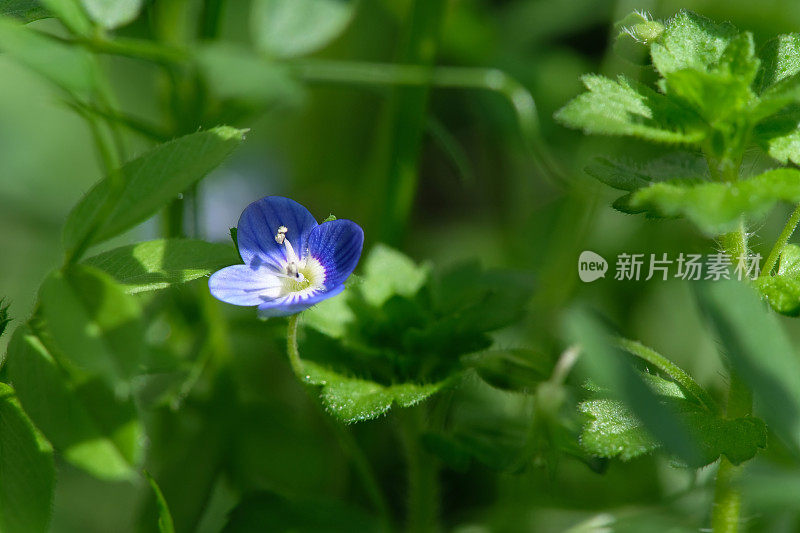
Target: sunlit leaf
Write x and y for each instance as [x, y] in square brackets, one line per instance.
[84, 421]
[96, 326]
[624, 108]
[158, 264]
[717, 207]
[27, 472]
[690, 41]
[286, 28]
[148, 183]
[165, 524]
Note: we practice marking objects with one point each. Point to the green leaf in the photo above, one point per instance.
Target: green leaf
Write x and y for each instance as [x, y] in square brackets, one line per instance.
[388, 272]
[779, 135]
[717, 207]
[158, 264]
[5, 319]
[27, 470]
[511, 369]
[112, 13]
[85, 422]
[69, 67]
[96, 326]
[691, 41]
[605, 363]
[301, 516]
[352, 399]
[24, 10]
[286, 28]
[150, 182]
[780, 60]
[613, 431]
[782, 291]
[234, 72]
[165, 524]
[716, 97]
[760, 353]
[624, 108]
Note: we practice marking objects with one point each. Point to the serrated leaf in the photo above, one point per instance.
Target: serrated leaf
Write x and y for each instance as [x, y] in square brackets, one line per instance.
[760, 353]
[691, 41]
[780, 59]
[717, 207]
[84, 421]
[27, 470]
[714, 96]
[624, 108]
[69, 67]
[158, 264]
[287, 28]
[613, 431]
[24, 10]
[779, 135]
[782, 290]
[112, 13]
[94, 324]
[355, 400]
[149, 182]
[301, 516]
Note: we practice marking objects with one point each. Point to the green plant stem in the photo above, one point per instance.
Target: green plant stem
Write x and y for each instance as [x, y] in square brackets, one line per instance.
[727, 497]
[345, 438]
[423, 474]
[780, 244]
[670, 369]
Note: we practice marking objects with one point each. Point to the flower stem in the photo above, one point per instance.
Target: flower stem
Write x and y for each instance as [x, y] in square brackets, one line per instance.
[346, 440]
[780, 244]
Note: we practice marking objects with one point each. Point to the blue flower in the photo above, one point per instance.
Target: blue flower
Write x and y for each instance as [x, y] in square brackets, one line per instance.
[290, 261]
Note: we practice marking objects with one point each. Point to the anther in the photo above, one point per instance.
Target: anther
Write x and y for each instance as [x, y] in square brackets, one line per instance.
[281, 235]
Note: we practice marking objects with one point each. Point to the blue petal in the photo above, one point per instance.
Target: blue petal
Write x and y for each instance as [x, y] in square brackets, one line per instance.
[291, 304]
[260, 222]
[241, 285]
[337, 246]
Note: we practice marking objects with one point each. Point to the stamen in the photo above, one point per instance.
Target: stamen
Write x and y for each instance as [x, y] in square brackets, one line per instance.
[281, 235]
[293, 262]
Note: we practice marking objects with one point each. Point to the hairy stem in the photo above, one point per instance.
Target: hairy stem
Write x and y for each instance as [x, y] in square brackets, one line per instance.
[346, 440]
[780, 244]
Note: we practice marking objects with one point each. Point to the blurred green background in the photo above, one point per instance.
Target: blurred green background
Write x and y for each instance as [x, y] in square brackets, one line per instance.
[479, 194]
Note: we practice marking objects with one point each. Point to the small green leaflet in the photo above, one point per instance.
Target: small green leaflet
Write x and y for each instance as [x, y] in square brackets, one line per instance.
[782, 291]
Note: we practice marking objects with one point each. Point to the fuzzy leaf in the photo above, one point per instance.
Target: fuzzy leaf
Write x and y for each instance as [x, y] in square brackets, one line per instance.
[630, 176]
[24, 10]
[690, 41]
[716, 207]
[149, 182]
[84, 421]
[623, 108]
[782, 291]
[613, 431]
[158, 264]
[27, 470]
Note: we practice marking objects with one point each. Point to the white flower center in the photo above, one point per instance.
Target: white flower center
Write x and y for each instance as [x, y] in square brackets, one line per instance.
[300, 277]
